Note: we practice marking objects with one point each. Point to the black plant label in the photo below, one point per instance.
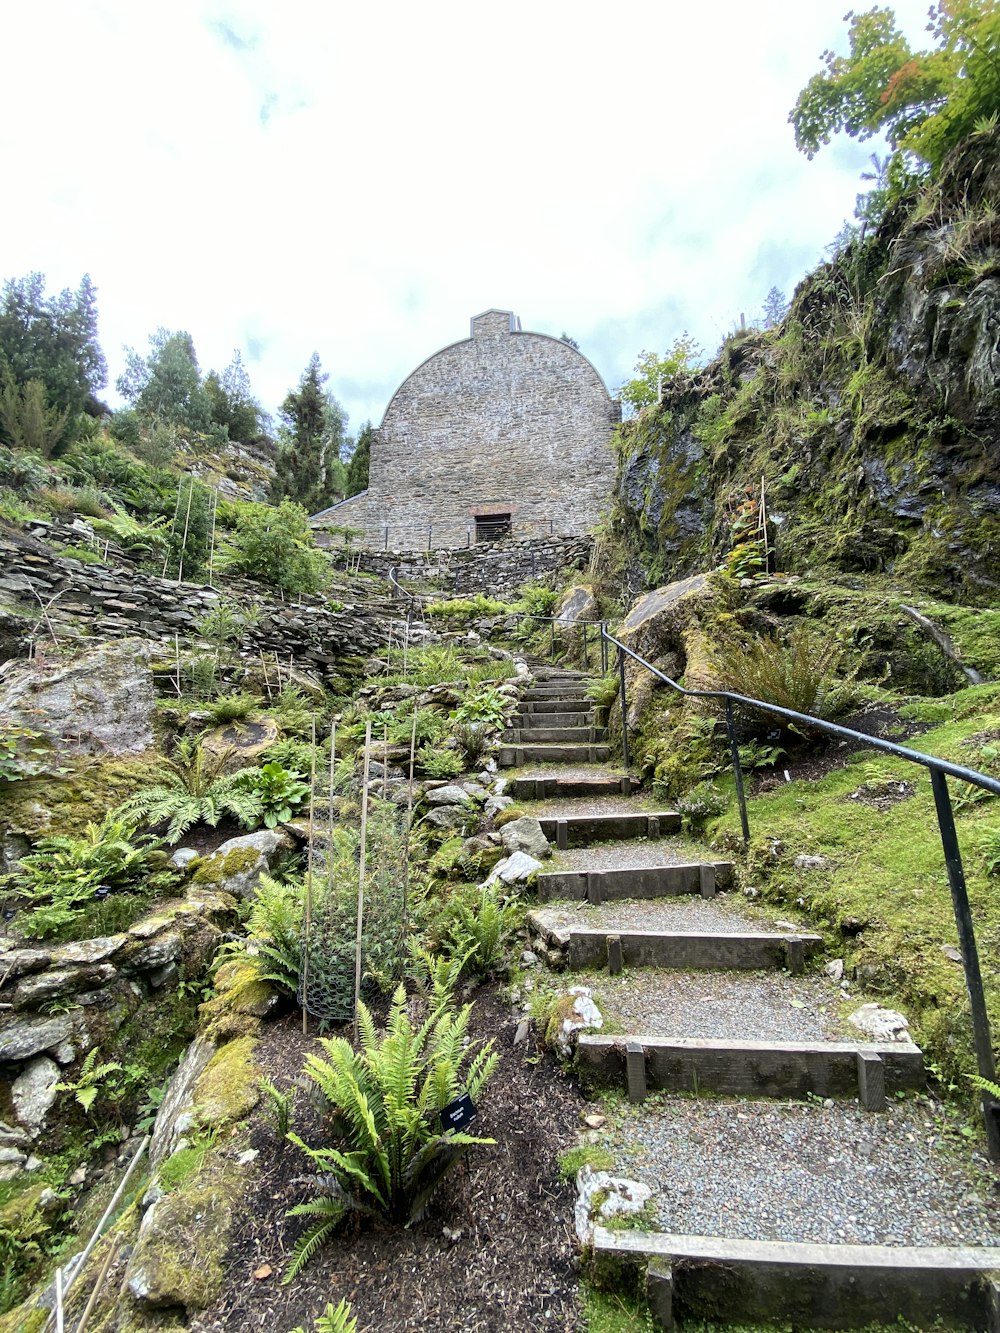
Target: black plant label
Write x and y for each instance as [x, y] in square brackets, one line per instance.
[459, 1113]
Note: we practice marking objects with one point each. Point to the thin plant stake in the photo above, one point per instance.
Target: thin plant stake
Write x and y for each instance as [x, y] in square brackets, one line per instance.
[409, 821]
[184, 539]
[763, 526]
[109, 1259]
[177, 654]
[362, 867]
[385, 762]
[211, 543]
[60, 1326]
[333, 762]
[309, 886]
[173, 529]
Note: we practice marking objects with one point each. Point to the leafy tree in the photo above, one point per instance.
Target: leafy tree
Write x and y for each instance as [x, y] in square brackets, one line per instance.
[166, 384]
[652, 370]
[356, 480]
[925, 102]
[775, 307]
[310, 439]
[52, 341]
[231, 401]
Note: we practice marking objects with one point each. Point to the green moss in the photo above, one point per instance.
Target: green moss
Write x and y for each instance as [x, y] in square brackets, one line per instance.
[82, 795]
[229, 1088]
[240, 1002]
[219, 869]
[615, 1312]
[594, 1155]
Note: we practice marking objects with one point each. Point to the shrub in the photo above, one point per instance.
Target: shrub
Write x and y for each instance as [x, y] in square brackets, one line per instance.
[467, 606]
[473, 740]
[484, 705]
[800, 674]
[279, 791]
[384, 1102]
[232, 708]
[276, 546]
[701, 804]
[536, 600]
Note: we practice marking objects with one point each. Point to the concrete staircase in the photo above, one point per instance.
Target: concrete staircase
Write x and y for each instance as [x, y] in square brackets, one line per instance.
[612, 865]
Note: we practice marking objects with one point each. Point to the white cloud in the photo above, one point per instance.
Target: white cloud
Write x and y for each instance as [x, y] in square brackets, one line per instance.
[359, 180]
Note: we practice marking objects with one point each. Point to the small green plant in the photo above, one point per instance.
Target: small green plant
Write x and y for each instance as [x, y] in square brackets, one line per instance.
[280, 791]
[473, 740]
[91, 1081]
[536, 600]
[384, 1102]
[201, 675]
[273, 941]
[799, 674]
[466, 607]
[701, 804]
[604, 691]
[482, 931]
[339, 1320]
[278, 1107]
[437, 975]
[594, 1155]
[989, 845]
[758, 754]
[64, 876]
[228, 708]
[22, 752]
[439, 763]
[486, 706]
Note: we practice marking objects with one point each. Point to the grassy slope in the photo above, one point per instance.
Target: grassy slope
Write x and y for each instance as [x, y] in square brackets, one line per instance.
[883, 898]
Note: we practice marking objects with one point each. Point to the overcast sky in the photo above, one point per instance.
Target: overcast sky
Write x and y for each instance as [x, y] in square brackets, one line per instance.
[359, 179]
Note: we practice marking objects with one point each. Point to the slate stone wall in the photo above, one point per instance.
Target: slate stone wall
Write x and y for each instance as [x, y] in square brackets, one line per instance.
[504, 422]
[498, 569]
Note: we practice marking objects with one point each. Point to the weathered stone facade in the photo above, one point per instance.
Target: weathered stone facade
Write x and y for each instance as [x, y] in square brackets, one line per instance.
[504, 428]
[498, 568]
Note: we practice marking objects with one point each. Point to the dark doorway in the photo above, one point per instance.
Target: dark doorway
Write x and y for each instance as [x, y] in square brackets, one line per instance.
[491, 527]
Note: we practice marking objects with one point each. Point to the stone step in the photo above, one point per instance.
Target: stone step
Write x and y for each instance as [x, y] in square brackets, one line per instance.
[597, 886]
[515, 756]
[554, 734]
[575, 689]
[571, 704]
[585, 830]
[528, 721]
[812, 1286]
[542, 786]
[688, 949]
[788, 1069]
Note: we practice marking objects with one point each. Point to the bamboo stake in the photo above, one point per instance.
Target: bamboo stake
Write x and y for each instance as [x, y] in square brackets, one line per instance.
[60, 1326]
[177, 654]
[333, 762]
[763, 527]
[409, 821]
[309, 886]
[385, 761]
[109, 1259]
[173, 529]
[99, 1229]
[267, 678]
[184, 539]
[211, 543]
[361, 874]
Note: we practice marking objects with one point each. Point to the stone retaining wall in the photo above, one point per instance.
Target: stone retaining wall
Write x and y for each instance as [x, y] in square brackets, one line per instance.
[117, 601]
[497, 569]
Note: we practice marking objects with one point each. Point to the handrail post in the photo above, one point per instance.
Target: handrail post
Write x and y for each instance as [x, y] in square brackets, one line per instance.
[981, 1037]
[586, 658]
[604, 647]
[624, 704]
[552, 630]
[734, 751]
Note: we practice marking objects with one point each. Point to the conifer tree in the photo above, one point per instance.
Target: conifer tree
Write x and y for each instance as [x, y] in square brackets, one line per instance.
[357, 468]
[310, 437]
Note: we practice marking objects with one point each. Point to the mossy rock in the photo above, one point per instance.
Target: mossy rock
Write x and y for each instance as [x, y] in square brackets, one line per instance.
[242, 999]
[178, 1257]
[81, 795]
[228, 1090]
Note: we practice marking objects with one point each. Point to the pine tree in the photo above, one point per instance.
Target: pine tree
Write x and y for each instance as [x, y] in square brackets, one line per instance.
[357, 468]
[311, 434]
[775, 307]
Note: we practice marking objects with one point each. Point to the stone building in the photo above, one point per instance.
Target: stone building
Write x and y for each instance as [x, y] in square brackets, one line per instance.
[505, 433]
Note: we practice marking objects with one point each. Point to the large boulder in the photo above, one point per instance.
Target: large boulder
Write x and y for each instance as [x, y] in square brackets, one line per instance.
[525, 835]
[236, 866]
[98, 703]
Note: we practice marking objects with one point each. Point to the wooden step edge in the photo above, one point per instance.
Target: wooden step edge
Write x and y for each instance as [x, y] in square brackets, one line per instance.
[697, 950]
[636, 882]
[812, 1285]
[779, 1069]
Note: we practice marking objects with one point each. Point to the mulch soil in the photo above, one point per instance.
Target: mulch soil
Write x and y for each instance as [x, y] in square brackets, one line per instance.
[815, 759]
[496, 1249]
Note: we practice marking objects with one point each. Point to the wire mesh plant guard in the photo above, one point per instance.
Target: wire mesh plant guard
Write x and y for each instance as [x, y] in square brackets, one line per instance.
[330, 936]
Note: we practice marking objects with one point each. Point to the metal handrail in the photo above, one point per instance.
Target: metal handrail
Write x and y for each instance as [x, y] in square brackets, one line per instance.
[940, 771]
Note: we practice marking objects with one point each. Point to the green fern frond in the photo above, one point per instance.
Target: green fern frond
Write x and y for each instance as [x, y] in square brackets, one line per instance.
[308, 1245]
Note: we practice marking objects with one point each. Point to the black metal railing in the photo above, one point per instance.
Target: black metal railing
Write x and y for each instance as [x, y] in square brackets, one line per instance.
[940, 770]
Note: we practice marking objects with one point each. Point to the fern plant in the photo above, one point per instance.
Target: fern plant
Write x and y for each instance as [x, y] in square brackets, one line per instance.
[90, 1080]
[800, 674]
[481, 932]
[339, 1320]
[384, 1102]
[273, 941]
[195, 790]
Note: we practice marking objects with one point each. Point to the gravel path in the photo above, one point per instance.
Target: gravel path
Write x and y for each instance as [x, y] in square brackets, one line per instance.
[822, 1173]
[574, 772]
[591, 806]
[673, 850]
[742, 1006]
[723, 915]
